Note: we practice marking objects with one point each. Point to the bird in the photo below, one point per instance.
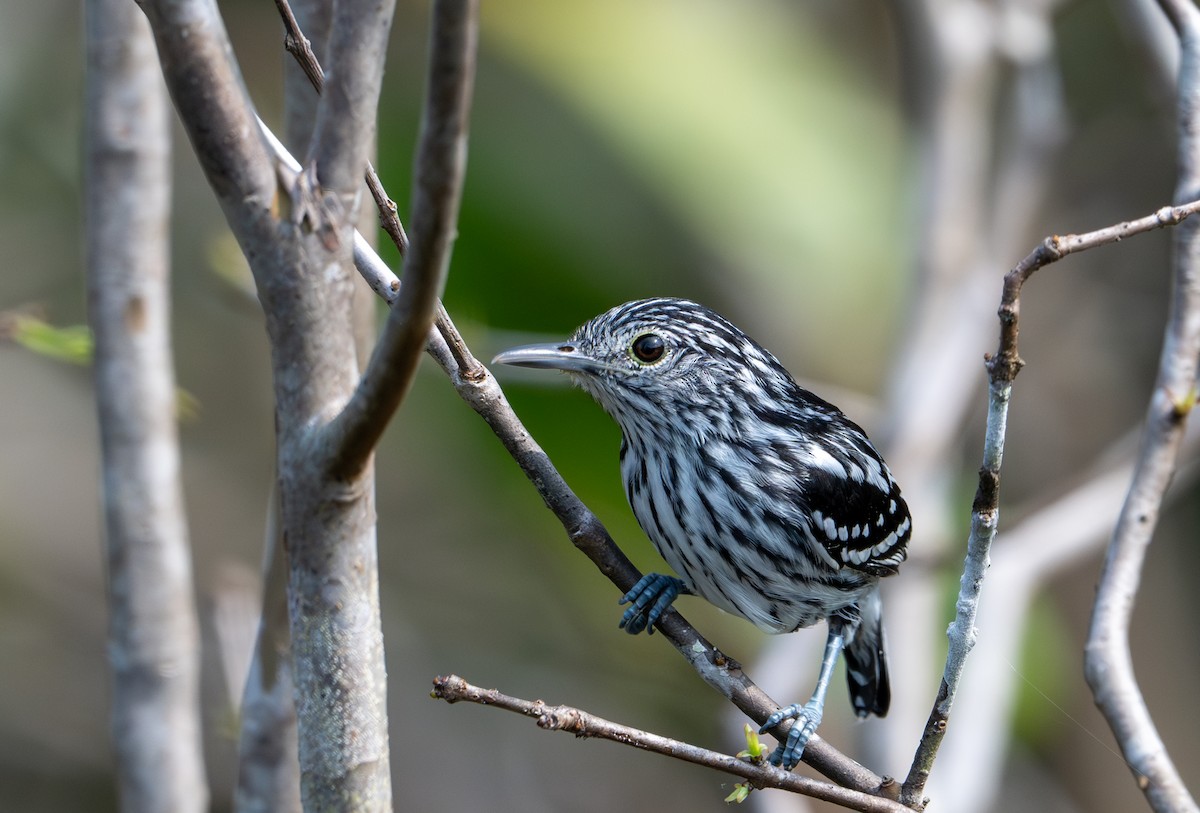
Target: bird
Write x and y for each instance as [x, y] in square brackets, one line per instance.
[765, 499]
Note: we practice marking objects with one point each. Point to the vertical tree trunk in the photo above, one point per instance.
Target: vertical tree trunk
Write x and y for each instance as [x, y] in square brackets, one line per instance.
[153, 633]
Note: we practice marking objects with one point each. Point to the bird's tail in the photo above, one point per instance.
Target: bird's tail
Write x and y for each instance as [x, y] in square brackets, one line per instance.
[866, 662]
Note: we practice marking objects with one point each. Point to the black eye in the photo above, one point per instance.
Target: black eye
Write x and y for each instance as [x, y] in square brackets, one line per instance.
[648, 348]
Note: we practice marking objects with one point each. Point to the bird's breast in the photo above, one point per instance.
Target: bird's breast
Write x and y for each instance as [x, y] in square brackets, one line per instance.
[732, 529]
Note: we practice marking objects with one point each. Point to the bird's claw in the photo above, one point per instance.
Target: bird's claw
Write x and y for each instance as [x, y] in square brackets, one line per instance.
[808, 717]
[648, 600]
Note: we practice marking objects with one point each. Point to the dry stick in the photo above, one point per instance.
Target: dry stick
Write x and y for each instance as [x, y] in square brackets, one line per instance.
[1108, 662]
[454, 689]
[479, 389]
[1002, 370]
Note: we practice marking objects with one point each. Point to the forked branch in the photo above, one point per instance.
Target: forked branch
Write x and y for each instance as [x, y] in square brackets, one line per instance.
[437, 191]
[1002, 368]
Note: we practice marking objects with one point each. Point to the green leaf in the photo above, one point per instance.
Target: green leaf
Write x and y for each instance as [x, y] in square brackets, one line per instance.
[755, 751]
[72, 344]
[740, 792]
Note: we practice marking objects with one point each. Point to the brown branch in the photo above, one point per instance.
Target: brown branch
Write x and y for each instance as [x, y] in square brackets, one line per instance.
[1003, 367]
[1006, 363]
[299, 47]
[454, 689]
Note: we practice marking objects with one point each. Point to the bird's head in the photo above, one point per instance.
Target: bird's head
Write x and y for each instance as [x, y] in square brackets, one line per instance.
[658, 359]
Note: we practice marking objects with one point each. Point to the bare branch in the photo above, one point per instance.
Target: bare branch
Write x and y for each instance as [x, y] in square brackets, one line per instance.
[437, 190]
[1108, 662]
[268, 779]
[153, 643]
[1079, 522]
[298, 45]
[345, 127]
[1002, 370]
[453, 689]
[207, 90]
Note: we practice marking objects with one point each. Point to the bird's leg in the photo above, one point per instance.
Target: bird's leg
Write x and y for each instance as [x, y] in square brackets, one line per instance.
[648, 600]
[808, 716]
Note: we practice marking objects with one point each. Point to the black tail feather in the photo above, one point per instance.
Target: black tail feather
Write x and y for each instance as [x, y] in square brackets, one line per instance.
[866, 662]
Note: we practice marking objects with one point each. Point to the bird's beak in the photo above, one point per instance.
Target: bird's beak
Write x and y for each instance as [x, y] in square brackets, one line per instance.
[564, 356]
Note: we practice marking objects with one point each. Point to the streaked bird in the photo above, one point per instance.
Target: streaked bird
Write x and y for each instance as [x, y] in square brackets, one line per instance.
[765, 499]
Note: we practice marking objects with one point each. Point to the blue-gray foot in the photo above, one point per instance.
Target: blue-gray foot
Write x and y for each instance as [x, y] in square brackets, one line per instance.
[807, 718]
[648, 600]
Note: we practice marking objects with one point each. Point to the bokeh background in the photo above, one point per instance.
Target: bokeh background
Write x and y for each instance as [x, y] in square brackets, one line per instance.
[763, 157]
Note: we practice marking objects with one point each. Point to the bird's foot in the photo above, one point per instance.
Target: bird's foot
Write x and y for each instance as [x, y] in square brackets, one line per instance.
[807, 718]
[648, 600]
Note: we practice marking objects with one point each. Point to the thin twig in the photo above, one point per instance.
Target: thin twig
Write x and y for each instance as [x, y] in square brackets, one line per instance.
[453, 689]
[1002, 368]
[1108, 662]
[300, 48]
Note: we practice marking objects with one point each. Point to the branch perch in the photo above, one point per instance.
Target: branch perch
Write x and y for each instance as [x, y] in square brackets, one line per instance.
[479, 389]
[454, 689]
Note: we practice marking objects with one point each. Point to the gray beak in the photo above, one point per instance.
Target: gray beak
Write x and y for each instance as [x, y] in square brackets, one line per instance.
[563, 356]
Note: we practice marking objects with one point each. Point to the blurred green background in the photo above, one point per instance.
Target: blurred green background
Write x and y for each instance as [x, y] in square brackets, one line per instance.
[755, 156]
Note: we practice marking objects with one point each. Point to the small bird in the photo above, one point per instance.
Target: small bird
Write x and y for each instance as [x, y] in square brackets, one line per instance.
[764, 498]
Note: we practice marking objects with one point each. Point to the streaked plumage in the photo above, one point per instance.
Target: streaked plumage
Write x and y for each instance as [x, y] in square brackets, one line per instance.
[765, 499]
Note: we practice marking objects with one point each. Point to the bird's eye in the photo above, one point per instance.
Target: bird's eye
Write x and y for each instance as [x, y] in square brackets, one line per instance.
[648, 348]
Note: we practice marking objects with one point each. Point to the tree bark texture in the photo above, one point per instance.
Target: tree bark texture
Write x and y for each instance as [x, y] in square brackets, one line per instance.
[153, 640]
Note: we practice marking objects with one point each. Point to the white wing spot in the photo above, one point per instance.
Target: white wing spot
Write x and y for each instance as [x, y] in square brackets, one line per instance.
[831, 529]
